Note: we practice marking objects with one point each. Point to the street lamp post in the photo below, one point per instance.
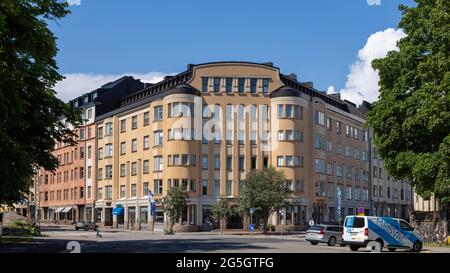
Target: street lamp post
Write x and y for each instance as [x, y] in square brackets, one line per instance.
[38, 204]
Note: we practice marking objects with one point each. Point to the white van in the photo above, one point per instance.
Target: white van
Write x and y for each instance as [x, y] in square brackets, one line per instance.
[379, 232]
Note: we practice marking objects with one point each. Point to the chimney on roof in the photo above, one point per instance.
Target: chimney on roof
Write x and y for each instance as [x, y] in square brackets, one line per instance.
[366, 104]
[268, 64]
[292, 76]
[310, 84]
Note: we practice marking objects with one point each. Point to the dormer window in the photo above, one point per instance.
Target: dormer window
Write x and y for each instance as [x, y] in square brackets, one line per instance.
[253, 82]
[265, 85]
[216, 85]
[241, 82]
[204, 84]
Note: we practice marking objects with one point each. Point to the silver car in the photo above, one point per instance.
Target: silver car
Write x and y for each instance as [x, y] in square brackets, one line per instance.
[85, 225]
[330, 234]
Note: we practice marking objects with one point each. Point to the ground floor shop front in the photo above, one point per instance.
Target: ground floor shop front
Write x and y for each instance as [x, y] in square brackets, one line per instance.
[137, 214]
[69, 214]
[141, 214]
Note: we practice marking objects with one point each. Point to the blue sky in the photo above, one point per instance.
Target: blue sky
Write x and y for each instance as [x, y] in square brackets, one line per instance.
[317, 39]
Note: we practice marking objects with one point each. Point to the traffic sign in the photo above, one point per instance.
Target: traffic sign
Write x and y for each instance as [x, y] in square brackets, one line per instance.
[153, 209]
[360, 211]
[251, 227]
[251, 210]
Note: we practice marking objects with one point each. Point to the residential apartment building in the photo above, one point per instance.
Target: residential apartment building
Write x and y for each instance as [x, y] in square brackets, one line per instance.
[67, 195]
[390, 197]
[205, 128]
[61, 193]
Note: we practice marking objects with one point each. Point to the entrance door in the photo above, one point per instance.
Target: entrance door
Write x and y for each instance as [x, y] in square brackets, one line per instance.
[108, 216]
[318, 214]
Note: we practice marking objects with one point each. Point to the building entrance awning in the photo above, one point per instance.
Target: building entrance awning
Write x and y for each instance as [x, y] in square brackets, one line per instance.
[118, 211]
[67, 209]
[59, 210]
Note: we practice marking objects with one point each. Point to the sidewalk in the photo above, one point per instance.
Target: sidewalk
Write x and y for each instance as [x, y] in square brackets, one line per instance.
[245, 232]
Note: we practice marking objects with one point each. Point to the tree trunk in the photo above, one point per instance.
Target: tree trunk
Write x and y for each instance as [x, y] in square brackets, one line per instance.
[265, 224]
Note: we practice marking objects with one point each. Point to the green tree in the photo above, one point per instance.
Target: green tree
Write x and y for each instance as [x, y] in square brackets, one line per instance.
[411, 120]
[221, 211]
[175, 203]
[30, 114]
[265, 190]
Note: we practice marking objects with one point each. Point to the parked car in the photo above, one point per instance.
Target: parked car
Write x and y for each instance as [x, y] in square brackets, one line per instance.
[86, 225]
[329, 234]
[380, 232]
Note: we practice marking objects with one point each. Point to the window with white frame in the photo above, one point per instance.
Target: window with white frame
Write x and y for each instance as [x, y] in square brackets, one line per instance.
[158, 163]
[158, 137]
[319, 141]
[108, 171]
[280, 135]
[217, 187]
[146, 166]
[146, 144]
[320, 165]
[146, 118]
[364, 156]
[109, 128]
[108, 150]
[355, 153]
[348, 153]
[319, 118]
[134, 168]
[329, 168]
[338, 170]
[123, 148]
[329, 122]
[279, 160]
[134, 145]
[158, 113]
[348, 193]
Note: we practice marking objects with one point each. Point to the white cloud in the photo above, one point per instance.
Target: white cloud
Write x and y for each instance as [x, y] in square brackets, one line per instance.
[74, 2]
[331, 90]
[76, 84]
[374, 2]
[362, 82]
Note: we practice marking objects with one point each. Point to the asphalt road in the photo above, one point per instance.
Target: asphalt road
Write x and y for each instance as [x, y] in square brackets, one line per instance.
[148, 242]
